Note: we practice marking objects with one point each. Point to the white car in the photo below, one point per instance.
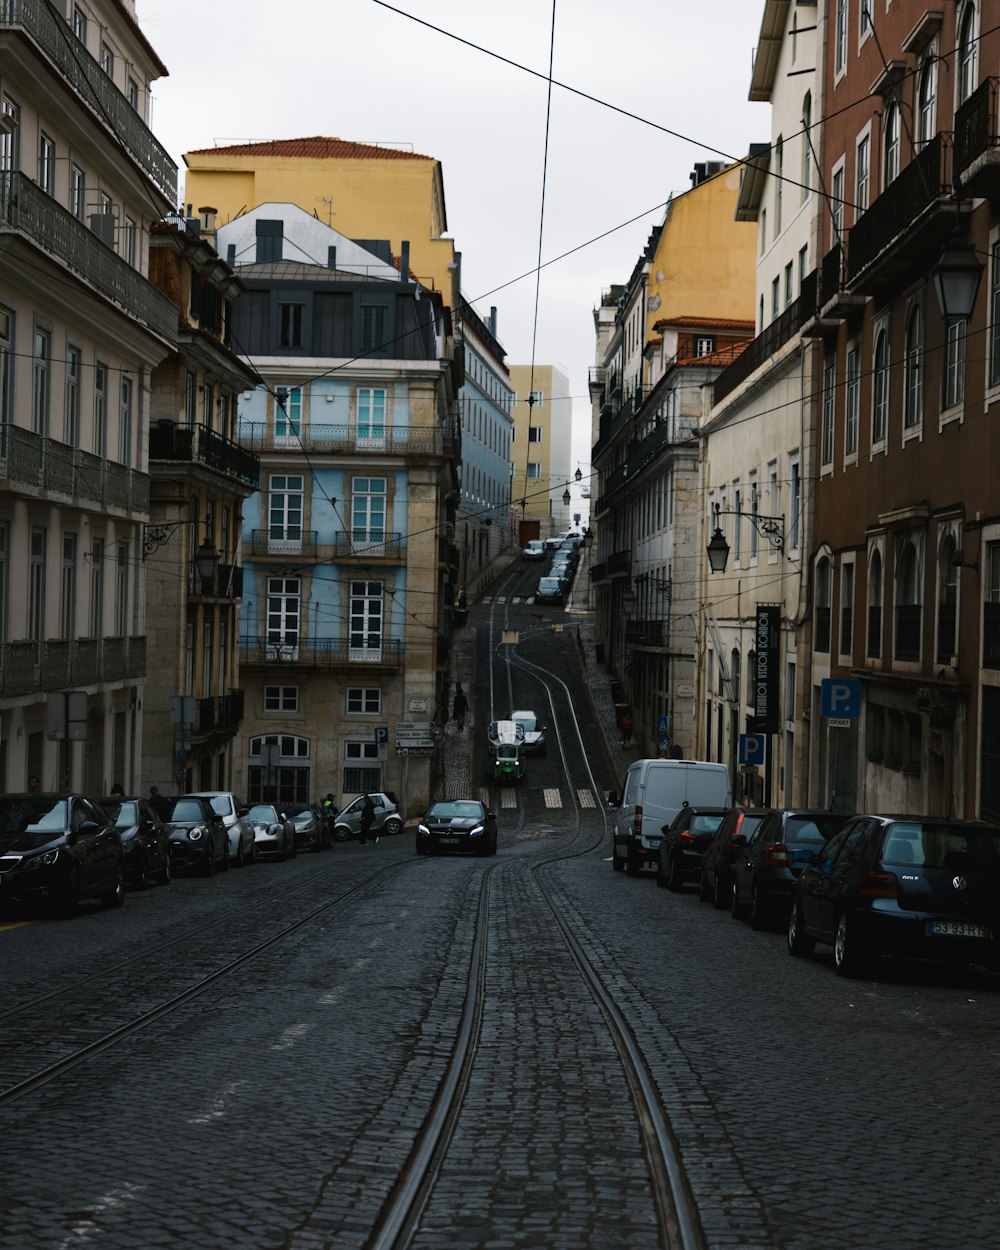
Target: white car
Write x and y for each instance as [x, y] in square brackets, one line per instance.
[348, 822]
[535, 550]
[242, 847]
[534, 730]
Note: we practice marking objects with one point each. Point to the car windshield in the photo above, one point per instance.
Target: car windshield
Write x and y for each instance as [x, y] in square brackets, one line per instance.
[817, 828]
[30, 814]
[526, 719]
[263, 814]
[298, 810]
[706, 824]
[221, 804]
[181, 810]
[125, 814]
[938, 846]
[461, 809]
[548, 583]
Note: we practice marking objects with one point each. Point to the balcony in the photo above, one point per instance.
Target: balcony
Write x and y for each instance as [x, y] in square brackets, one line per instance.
[197, 444]
[29, 211]
[381, 654]
[767, 343]
[977, 142]
[28, 668]
[346, 440]
[903, 230]
[54, 468]
[220, 714]
[365, 545]
[54, 39]
[645, 633]
[227, 583]
[620, 563]
[290, 543]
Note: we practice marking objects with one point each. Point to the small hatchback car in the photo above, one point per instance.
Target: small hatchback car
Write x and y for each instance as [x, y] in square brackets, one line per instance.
[387, 817]
[684, 842]
[905, 886]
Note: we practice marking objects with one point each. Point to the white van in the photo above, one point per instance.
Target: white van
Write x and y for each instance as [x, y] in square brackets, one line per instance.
[655, 791]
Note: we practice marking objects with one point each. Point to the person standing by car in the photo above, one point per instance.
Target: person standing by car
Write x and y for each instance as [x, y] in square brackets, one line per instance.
[460, 706]
[367, 819]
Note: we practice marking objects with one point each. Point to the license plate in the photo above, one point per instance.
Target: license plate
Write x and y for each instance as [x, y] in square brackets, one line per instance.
[956, 928]
[449, 841]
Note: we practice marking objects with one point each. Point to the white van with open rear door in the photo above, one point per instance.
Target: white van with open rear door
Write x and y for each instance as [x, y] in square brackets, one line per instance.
[654, 792]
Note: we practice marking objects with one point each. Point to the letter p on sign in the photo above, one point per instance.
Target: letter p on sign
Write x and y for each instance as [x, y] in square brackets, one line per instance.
[841, 697]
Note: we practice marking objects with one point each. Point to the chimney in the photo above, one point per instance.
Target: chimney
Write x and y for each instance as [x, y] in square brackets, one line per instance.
[208, 216]
[493, 320]
[331, 258]
[404, 261]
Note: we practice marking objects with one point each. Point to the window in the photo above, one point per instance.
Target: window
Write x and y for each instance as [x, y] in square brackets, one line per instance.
[371, 417]
[107, 60]
[284, 510]
[77, 192]
[269, 237]
[806, 174]
[190, 398]
[79, 23]
[281, 698]
[366, 620]
[947, 602]
[368, 509]
[364, 699]
[46, 163]
[874, 649]
[803, 264]
[847, 610]
[852, 401]
[954, 364]
[794, 503]
[862, 174]
[36, 585]
[283, 608]
[775, 298]
[536, 399]
[361, 767]
[121, 590]
[10, 140]
[534, 470]
[4, 578]
[763, 230]
[913, 371]
[927, 103]
[829, 396]
[206, 659]
[133, 93]
[67, 588]
[880, 387]
[824, 587]
[704, 345]
[100, 409]
[840, 37]
[128, 241]
[890, 158]
[71, 425]
[837, 206]
[908, 601]
[6, 366]
[534, 433]
[372, 327]
[779, 181]
[967, 49]
[290, 324]
[288, 416]
[40, 381]
[125, 421]
[789, 283]
[995, 315]
[96, 629]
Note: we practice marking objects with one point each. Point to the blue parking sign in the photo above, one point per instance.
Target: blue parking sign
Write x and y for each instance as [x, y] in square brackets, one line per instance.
[662, 727]
[752, 749]
[841, 696]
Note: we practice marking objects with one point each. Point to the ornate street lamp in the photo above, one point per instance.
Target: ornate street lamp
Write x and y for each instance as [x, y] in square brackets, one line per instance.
[956, 279]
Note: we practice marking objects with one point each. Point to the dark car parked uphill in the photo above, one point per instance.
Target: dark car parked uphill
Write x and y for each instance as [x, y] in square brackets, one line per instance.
[684, 842]
[58, 849]
[199, 839]
[904, 886]
[763, 875]
[730, 838]
[457, 825]
[144, 838]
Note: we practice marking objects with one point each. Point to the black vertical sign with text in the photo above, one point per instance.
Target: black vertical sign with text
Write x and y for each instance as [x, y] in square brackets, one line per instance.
[767, 636]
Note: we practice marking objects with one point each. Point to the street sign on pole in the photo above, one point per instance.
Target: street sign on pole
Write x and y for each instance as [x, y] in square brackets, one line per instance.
[840, 696]
[662, 727]
[752, 749]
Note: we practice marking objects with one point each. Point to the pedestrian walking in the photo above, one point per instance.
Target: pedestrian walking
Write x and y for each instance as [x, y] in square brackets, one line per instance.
[118, 789]
[33, 784]
[367, 819]
[460, 706]
[330, 808]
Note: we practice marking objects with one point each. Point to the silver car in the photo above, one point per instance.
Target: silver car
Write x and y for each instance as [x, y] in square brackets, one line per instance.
[274, 833]
[242, 846]
[387, 817]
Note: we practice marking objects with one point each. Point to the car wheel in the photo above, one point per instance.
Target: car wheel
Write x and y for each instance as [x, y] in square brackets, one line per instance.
[799, 942]
[240, 860]
[722, 894]
[493, 845]
[631, 867]
[295, 849]
[617, 863]
[165, 873]
[116, 895]
[208, 867]
[341, 833]
[760, 917]
[140, 877]
[392, 826]
[675, 881]
[735, 906]
[848, 960]
[704, 893]
[70, 894]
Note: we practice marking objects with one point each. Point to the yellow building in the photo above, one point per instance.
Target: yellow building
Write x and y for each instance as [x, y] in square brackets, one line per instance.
[362, 191]
[540, 450]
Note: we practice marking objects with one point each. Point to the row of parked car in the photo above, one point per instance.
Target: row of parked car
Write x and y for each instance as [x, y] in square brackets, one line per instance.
[868, 885]
[59, 849]
[564, 550]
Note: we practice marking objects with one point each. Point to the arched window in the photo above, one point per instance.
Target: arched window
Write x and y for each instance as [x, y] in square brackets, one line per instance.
[824, 599]
[807, 109]
[875, 605]
[751, 678]
[908, 602]
[967, 46]
[880, 387]
[927, 103]
[734, 673]
[890, 160]
[913, 369]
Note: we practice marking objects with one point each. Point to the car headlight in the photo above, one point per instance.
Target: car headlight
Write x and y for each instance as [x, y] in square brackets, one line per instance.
[424, 830]
[196, 834]
[45, 860]
[475, 832]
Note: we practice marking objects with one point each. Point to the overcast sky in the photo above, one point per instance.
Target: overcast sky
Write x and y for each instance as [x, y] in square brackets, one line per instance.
[245, 70]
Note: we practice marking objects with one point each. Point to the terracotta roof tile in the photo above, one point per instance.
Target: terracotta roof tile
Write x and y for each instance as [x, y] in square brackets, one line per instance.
[316, 148]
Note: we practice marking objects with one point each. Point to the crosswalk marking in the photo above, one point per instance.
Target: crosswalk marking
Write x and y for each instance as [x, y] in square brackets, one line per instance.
[586, 798]
[552, 798]
[508, 797]
[484, 796]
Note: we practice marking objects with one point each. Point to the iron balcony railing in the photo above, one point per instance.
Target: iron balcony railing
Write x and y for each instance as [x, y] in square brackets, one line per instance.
[924, 180]
[977, 124]
[428, 440]
[321, 652]
[28, 667]
[290, 541]
[367, 545]
[770, 339]
[226, 583]
[31, 212]
[221, 713]
[54, 38]
[34, 460]
[198, 444]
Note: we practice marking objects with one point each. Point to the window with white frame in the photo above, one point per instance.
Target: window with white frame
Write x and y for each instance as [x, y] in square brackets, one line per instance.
[837, 205]
[71, 416]
[77, 192]
[913, 370]
[363, 700]
[79, 23]
[880, 386]
[840, 37]
[41, 381]
[862, 174]
[534, 433]
[121, 590]
[4, 578]
[794, 502]
[968, 45]
[288, 417]
[36, 584]
[927, 102]
[100, 409]
[96, 621]
[125, 420]
[852, 400]
[806, 171]
[366, 620]
[534, 470]
[67, 587]
[107, 60]
[371, 416]
[829, 397]
[368, 511]
[285, 503]
[995, 315]
[283, 607]
[779, 182]
[281, 698]
[46, 163]
[954, 364]
[6, 366]
[890, 144]
[10, 136]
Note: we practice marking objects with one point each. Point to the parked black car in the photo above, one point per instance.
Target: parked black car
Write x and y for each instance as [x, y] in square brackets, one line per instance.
[717, 862]
[684, 842]
[457, 825]
[774, 856]
[59, 849]
[144, 838]
[199, 839]
[901, 885]
[550, 590]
